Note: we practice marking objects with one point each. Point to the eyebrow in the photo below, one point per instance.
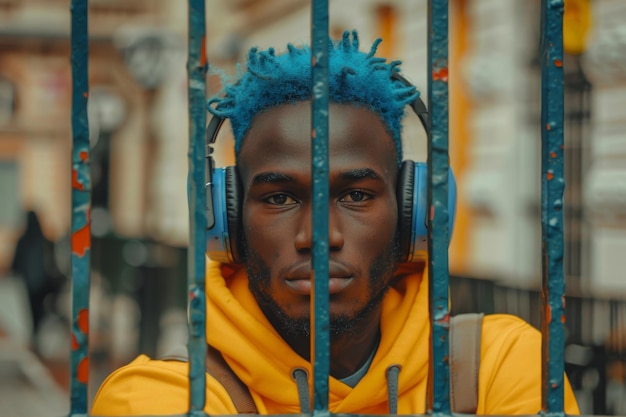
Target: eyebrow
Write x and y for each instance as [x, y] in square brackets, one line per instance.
[358, 174]
[282, 178]
[272, 178]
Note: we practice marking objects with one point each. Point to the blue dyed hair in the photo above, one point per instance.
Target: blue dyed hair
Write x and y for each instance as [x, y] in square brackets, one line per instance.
[355, 77]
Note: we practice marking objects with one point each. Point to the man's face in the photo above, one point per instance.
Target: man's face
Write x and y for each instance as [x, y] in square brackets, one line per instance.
[275, 171]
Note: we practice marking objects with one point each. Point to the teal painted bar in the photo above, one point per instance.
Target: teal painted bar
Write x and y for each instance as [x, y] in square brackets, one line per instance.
[196, 263]
[320, 339]
[552, 190]
[81, 210]
[438, 219]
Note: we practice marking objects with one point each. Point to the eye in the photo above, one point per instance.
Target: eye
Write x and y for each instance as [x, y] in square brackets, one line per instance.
[356, 196]
[281, 200]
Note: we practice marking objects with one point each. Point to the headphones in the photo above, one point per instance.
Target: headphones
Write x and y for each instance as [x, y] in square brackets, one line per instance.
[224, 199]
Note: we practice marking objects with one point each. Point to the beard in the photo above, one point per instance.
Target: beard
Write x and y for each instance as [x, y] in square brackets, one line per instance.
[380, 274]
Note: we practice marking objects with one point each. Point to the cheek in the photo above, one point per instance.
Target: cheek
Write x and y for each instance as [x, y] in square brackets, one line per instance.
[264, 236]
[378, 227]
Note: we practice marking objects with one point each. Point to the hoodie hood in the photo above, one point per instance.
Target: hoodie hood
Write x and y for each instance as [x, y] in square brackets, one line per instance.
[256, 352]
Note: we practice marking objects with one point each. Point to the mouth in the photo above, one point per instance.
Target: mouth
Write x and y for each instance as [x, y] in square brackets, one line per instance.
[299, 278]
[304, 286]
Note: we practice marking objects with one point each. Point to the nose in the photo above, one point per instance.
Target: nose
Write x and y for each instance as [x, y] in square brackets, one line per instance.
[304, 237]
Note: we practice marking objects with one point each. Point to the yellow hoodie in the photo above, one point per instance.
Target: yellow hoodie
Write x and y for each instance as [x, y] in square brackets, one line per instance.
[509, 379]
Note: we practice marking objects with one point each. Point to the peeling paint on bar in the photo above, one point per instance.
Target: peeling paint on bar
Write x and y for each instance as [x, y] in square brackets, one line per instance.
[438, 226]
[196, 262]
[320, 341]
[552, 189]
[81, 207]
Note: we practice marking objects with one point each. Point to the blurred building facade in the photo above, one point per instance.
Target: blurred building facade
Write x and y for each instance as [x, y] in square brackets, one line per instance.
[138, 123]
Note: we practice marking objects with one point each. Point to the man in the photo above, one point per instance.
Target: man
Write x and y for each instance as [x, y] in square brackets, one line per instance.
[259, 313]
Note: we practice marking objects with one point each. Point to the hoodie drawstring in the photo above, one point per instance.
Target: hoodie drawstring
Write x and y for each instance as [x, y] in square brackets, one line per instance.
[301, 377]
[392, 388]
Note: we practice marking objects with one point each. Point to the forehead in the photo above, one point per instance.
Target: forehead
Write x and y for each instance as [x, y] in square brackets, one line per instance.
[281, 138]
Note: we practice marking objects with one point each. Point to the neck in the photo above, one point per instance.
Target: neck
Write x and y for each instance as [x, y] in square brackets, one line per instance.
[348, 350]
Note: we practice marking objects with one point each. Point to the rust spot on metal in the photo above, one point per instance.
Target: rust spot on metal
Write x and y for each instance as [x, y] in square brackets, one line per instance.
[81, 241]
[83, 320]
[75, 184]
[550, 176]
[552, 154]
[82, 372]
[441, 75]
[203, 52]
[549, 314]
[558, 63]
[444, 320]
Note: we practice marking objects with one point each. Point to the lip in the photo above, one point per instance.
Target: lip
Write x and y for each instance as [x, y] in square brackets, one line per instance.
[299, 278]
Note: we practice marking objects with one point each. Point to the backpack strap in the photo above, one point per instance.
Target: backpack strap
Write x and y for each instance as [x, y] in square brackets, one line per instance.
[217, 367]
[240, 394]
[464, 360]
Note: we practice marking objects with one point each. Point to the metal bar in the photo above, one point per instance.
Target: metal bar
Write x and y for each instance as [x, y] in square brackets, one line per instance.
[320, 341]
[438, 226]
[196, 265]
[81, 210]
[552, 189]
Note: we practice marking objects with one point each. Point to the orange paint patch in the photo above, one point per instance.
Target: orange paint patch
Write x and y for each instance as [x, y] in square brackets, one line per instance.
[558, 63]
[432, 212]
[84, 156]
[83, 320]
[549, 314]
[75, 184]
[313, 133]
[82, 372]
[552, 154]
[548, 127]
[550, 176]
[441, 75]
[563, 318]
[74, 343]
[81, 241]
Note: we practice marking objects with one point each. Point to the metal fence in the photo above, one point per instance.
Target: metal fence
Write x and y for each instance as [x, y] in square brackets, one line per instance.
[553, 317]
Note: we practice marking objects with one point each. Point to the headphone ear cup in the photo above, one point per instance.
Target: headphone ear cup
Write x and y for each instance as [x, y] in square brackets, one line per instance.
[413, 205]
[405, 196]
[233, 201]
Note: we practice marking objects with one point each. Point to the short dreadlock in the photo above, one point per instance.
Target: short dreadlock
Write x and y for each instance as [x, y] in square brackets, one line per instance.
[355, 78]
